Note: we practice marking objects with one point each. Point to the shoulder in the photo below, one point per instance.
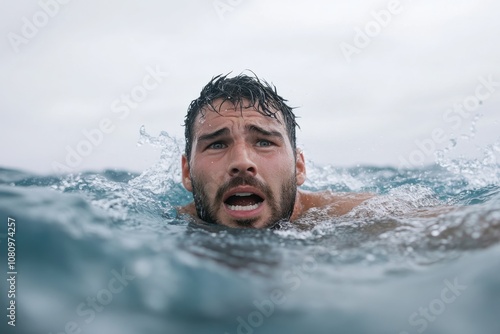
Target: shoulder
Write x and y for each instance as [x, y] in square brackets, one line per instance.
[335, 204]
[189, 209]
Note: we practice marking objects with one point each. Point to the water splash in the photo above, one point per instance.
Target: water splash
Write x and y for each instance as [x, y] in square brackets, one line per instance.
[478, 172]
[166, 173]
[331, 178]
[346, 274]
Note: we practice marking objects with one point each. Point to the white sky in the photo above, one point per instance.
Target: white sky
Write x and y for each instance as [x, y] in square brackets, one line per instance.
[370, 110]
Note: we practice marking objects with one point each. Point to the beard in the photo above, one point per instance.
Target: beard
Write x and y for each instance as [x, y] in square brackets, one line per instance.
[281, 210]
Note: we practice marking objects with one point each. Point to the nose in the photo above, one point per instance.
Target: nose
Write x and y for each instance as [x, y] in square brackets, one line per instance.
[241, 161]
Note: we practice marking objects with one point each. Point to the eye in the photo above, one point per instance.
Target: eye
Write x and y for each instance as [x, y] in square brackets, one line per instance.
[264, 143]
[217, 146]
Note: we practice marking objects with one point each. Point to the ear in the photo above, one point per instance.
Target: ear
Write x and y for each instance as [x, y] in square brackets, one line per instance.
[300, 168]
[186, 175]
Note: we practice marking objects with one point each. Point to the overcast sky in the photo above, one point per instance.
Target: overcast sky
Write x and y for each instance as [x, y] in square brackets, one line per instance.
[369, 78]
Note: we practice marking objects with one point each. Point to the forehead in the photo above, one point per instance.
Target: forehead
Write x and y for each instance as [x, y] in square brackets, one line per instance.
[226, 111]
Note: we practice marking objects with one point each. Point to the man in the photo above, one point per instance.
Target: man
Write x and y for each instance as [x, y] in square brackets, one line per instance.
[241, 161]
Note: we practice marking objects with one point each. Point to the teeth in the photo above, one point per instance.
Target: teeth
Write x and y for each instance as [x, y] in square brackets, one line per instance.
[243, 194]
[243, 208]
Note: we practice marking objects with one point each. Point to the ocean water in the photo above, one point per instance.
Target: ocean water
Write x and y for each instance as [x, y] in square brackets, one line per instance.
[104, 253]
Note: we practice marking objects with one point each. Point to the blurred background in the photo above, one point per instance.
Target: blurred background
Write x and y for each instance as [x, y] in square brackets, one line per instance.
[374, 82]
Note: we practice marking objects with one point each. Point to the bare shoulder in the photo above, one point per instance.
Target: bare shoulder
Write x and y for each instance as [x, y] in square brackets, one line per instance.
[189, 209]
[335, 204]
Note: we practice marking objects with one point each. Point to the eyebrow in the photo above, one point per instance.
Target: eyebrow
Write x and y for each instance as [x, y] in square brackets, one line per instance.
[250, 128]
[264, 132]
[213, 135]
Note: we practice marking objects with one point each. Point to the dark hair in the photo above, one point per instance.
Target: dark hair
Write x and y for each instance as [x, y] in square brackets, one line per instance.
[259, 93]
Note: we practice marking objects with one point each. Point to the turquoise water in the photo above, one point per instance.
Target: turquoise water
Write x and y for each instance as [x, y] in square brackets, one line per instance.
[103, 252]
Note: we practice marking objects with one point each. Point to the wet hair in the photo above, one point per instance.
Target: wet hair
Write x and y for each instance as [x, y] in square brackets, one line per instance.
[260, 94]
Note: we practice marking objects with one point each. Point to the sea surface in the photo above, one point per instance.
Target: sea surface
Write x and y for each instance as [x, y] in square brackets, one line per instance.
[105, 253]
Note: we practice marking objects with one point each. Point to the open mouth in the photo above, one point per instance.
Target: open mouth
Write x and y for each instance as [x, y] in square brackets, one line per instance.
[243, 201]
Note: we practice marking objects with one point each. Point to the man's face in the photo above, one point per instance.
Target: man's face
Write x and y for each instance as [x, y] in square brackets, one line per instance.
[242, 170]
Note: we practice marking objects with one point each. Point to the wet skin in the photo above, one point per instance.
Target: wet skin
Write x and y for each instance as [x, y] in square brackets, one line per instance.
[243, 171]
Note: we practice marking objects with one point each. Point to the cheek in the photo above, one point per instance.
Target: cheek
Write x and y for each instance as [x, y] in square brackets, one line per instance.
[285, 165]
[278, 170]
[207, 175]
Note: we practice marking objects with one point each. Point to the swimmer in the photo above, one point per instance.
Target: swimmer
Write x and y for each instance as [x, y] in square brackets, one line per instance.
[241, 161]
